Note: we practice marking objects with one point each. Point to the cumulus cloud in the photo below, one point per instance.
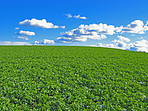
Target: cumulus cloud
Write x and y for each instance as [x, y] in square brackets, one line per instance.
[13, 43]
[136, 26]
[121, 39]
[121, 42]
[75, 16]
[45, 42]
[64, 39]
[84, 32]
[101, 28]
[106, 45]
[119, 29]
[39, 23]
[146, 26]
[119, 45]
[26, 33]
[141, 46]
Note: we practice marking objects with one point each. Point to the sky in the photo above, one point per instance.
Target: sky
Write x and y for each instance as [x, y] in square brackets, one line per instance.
[121, 24]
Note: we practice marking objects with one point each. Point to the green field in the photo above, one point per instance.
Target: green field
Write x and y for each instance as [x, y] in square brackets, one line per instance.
[72, 78]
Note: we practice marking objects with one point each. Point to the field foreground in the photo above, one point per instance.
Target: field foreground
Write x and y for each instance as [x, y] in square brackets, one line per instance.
[72, 78]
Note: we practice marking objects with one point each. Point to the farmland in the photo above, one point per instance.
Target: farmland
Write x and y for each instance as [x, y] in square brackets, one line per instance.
[72, 78]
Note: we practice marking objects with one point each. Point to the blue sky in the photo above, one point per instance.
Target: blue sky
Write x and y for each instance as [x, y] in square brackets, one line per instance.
[72, 14]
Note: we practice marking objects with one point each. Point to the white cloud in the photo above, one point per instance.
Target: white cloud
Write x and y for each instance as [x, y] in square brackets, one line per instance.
[70, 40]
[106, 45]
[26, 33]
[120, 45]
[141, 46]
[83, 18]
[142, 43]
[69, 15]
[80, 39]
[64, 39]
[136, 26]
[16, 28]
[146, 26]
[39, 23]
[84, 32]
[122, 39]
[79, 17]
[121, 42]
[45, 42]
[119, 29]
[13, 43]
[94, 36]
[24, 38]
[101, 28]
[75, 16]
[63, 27]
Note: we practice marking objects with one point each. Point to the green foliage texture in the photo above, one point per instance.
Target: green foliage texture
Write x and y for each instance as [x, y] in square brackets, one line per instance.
[72, 78]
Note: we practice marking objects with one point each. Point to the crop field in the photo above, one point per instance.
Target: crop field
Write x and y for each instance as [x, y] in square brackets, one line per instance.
[72, 78]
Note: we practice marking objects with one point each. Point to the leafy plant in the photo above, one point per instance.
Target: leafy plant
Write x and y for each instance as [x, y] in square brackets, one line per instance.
[72, 78]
